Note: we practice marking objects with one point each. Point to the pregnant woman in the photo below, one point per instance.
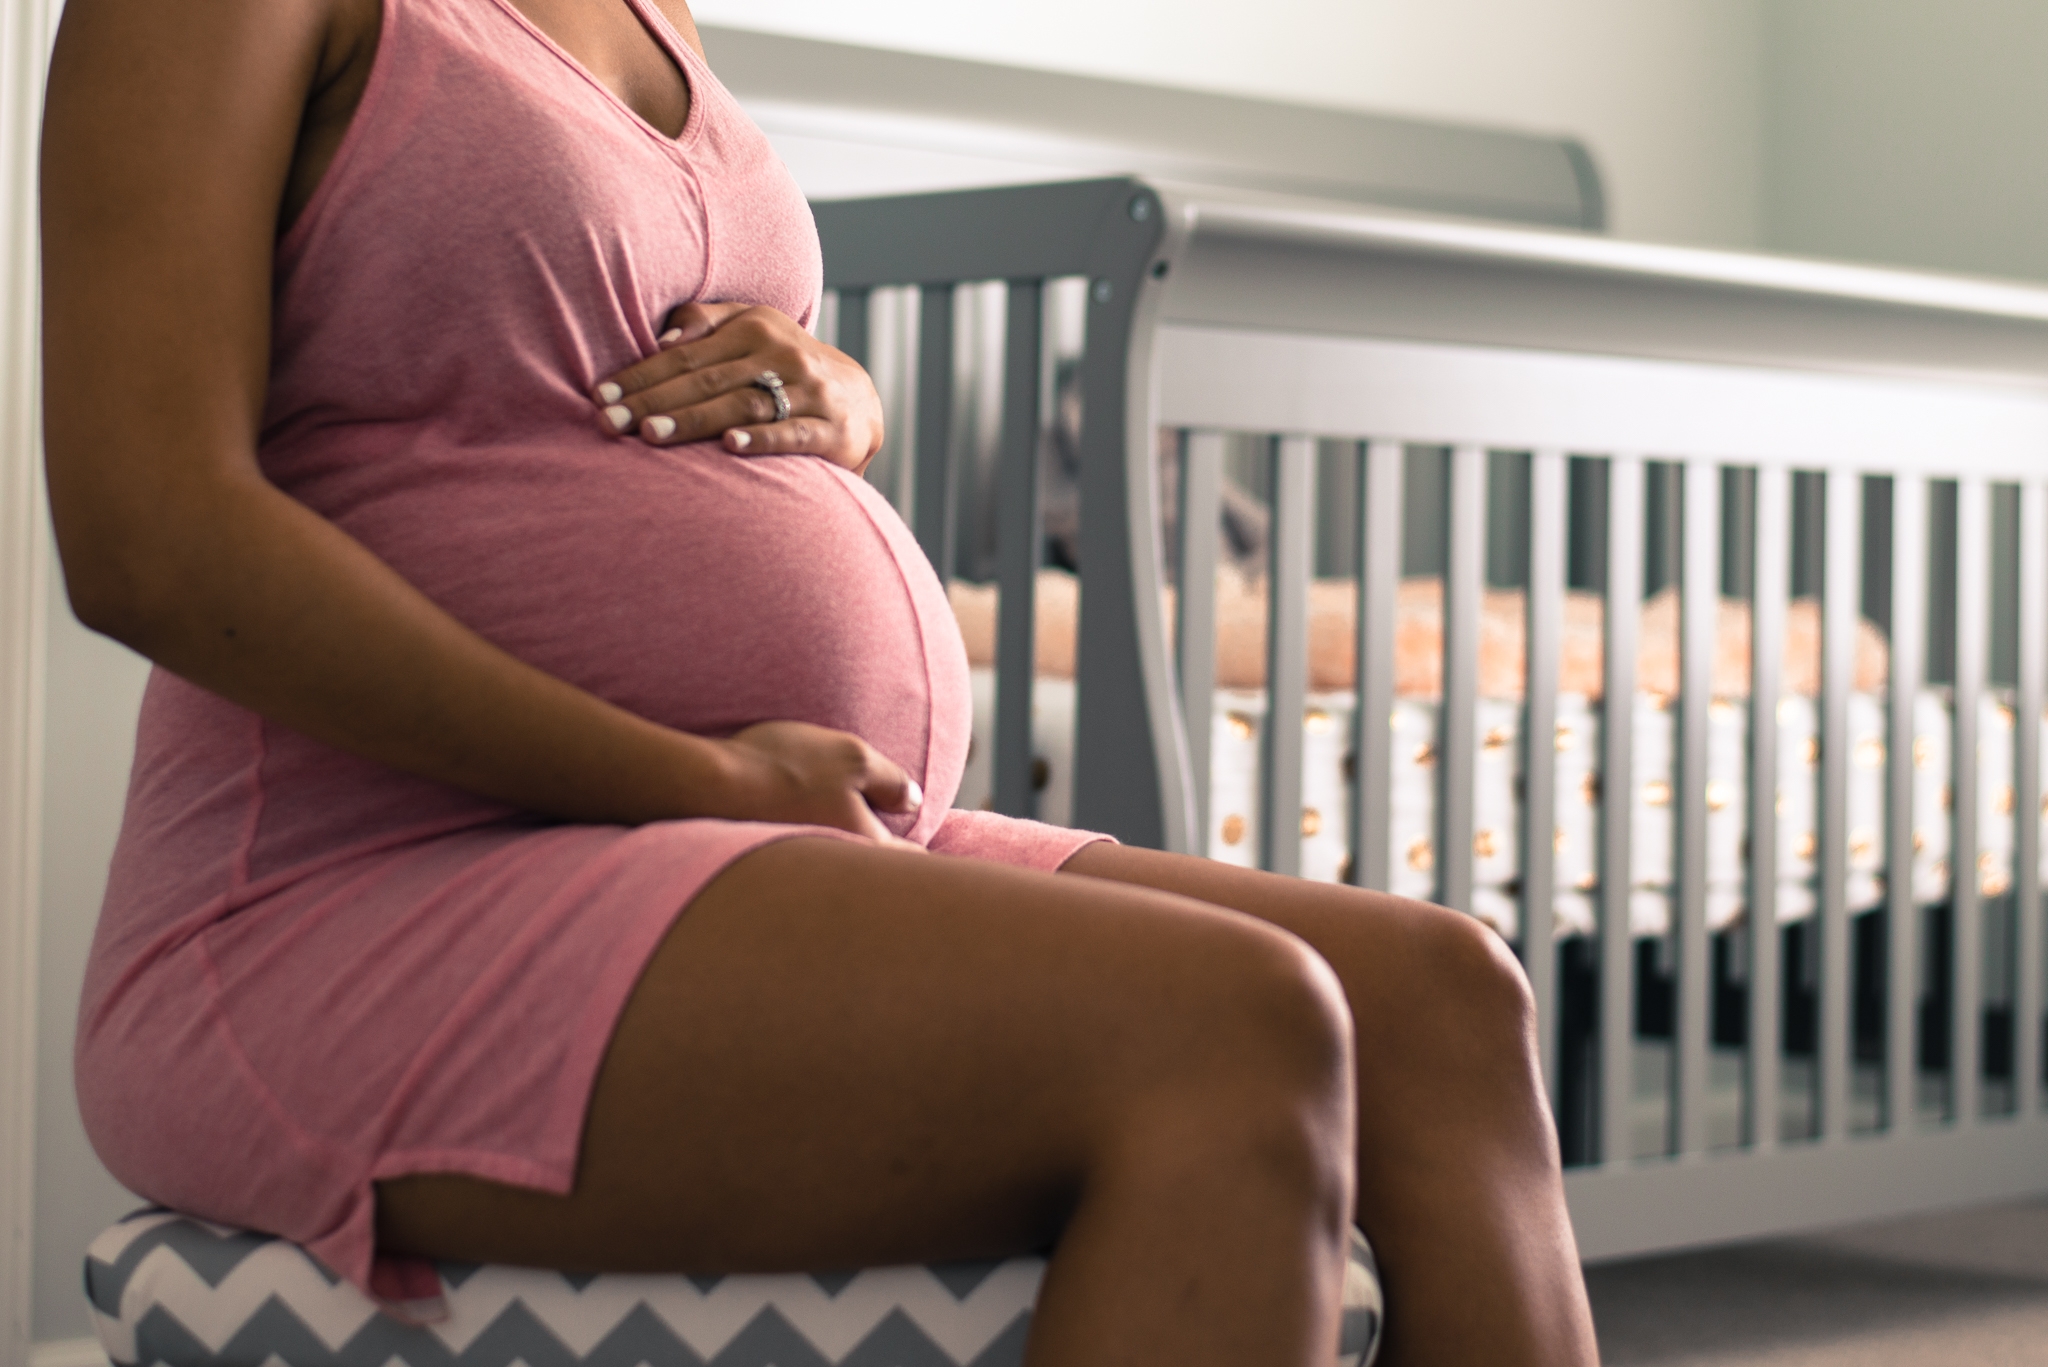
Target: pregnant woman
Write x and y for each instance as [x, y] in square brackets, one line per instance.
[538, 849]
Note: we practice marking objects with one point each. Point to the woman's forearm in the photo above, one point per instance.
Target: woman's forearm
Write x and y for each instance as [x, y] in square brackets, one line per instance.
[245, 592]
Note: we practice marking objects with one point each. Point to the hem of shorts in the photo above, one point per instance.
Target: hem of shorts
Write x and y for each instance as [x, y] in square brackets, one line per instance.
[1077, 840]
[350, 1251]
[1090, 838]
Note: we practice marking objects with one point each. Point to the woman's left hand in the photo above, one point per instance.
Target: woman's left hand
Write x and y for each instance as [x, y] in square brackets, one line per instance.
[701, 386]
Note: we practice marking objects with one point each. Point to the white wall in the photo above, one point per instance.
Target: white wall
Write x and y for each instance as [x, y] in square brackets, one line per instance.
[92, 690]
[1665, 92]
[1909, 132]
[1905, 132]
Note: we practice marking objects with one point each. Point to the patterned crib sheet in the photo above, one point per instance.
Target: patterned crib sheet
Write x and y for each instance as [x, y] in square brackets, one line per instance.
[167, 1288]
[1237, 725]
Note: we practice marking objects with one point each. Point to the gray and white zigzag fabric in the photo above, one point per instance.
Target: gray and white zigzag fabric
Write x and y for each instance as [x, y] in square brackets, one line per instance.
[167, 1288]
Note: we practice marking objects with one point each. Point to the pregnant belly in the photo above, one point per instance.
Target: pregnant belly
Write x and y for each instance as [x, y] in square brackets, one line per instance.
[701, 590]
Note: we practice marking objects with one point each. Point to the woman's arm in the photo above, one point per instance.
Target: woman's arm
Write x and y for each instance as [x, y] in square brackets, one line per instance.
[168, 147]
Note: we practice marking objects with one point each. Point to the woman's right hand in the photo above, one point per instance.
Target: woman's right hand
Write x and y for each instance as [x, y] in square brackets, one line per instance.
[814, 776]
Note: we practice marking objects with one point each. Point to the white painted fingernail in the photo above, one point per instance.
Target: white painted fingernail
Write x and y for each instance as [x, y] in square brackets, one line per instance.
[660, 428]
[609, 393]
[915, 794]
[619, 416]
[741, 440]
[671, 337]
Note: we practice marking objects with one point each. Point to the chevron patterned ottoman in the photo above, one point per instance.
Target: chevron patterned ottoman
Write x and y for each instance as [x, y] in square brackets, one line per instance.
[166, 1288]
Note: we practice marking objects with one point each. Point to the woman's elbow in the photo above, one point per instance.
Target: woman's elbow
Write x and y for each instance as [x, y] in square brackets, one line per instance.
[117, 583]
[106, 595]
[134, 564]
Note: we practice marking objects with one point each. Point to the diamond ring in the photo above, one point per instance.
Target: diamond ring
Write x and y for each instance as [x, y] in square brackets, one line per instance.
[772, 382]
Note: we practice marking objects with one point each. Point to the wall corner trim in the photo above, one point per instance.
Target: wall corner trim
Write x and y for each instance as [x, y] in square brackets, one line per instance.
[24, 47]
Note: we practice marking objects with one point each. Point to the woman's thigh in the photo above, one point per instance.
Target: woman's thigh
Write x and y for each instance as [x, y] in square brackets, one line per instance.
[843, 1055]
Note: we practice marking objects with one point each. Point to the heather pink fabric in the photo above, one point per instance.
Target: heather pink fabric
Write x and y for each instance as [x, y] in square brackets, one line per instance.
[313, 972]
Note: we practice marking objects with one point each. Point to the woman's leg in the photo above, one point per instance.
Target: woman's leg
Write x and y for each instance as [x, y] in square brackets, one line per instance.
[845, 1056]
[1458, 1181]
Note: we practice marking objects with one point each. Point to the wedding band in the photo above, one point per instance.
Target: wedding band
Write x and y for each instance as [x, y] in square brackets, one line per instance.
[772, 382]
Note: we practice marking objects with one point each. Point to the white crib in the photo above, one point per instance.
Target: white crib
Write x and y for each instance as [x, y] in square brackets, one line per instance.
[1764, 1006]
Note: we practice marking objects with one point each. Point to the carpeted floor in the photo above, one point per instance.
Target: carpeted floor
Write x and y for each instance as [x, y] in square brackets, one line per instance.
[1966, 1289]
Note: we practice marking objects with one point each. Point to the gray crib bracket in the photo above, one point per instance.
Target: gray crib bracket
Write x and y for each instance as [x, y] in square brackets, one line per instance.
[1129, 746]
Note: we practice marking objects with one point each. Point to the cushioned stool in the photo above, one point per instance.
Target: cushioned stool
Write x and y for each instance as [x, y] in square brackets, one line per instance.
[166, 1288]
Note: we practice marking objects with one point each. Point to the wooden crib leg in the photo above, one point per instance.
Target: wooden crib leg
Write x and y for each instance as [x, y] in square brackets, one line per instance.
[1459, 1184]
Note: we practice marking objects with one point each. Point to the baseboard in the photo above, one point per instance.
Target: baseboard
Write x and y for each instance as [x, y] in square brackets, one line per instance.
[1630, 1209]
[68, 1353]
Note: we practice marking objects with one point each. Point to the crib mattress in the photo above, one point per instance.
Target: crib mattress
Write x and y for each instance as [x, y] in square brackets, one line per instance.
[167, 1288]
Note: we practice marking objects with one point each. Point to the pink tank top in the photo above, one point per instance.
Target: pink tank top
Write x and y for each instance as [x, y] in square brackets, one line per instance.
[498, 232]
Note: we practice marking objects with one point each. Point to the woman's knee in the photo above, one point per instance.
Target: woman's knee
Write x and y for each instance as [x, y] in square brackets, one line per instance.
[1482, 969]
[1273, 1007]
[1292, 1005]
[1258, 1062]
[1459, 989]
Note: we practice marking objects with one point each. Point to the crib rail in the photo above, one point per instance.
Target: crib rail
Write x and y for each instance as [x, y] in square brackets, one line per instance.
[1746, 1027]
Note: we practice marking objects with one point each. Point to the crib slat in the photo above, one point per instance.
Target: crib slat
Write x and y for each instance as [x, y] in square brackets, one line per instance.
[1379, 574]
[1617, 768]
[932, 480]
[1017, 548]
[1973, 611]
[1293, 543]
[1457, 722]
[851, 336]
[1201, 498]
[2033, 681]
[1539, 748]
[1766, 675]
[1699, 608]
[1902, 911]
[1841, 590]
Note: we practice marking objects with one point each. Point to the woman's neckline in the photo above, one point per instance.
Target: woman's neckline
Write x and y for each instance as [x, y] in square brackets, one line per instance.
[666, 37]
